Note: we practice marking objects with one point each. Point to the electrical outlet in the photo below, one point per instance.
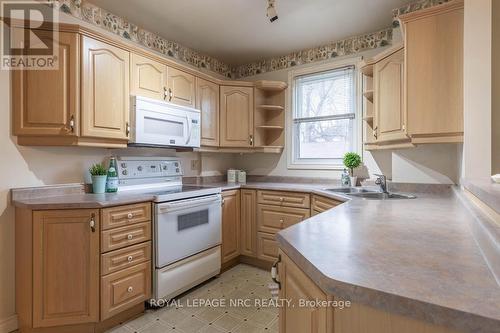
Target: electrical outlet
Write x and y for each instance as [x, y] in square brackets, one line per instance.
[195, 164]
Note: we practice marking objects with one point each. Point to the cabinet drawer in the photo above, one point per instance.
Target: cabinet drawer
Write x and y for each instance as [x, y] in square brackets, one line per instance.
[125, 258]
[125, 215]
[287, 199]
[120, 237]
[272, 219]
[267, 247]
[124, 289]
[320, 204]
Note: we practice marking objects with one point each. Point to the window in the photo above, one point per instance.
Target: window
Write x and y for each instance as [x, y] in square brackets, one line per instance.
[323, 120]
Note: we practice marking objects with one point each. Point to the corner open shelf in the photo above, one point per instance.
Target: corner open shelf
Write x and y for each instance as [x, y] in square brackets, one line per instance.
[269, 115]
[369, 138]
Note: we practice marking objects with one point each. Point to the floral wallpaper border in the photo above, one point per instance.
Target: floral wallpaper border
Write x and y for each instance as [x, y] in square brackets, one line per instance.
[339, 48]
[412, 7]
[97, 16]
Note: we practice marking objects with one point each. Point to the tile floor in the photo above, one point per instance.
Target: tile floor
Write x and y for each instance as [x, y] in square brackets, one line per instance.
[242, 282]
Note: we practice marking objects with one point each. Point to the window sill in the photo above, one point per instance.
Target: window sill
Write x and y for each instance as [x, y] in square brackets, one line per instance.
[334, 167]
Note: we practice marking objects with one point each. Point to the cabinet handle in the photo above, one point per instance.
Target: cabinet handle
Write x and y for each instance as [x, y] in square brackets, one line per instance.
[127, 129]
[281, 199]
[274, 272]
[72, 124]
[403, 127]
[170, 94]
[222, 202]
[130, 215]
[130, 258]
[92, 222]
[165, 93]
[281, 223]
[375, 132]
[130, 236]
[250, 139]
[130, 289]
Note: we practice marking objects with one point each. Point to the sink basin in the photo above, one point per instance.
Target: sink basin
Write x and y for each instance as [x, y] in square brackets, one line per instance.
[360, 192]
[350, 190]
[381, 196]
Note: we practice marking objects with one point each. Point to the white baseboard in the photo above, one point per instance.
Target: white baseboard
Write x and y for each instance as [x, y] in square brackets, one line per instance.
[8, 324]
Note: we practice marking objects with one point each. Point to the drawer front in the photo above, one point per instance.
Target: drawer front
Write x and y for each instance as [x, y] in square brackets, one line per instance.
[118, 238]
[272, 219]
[267, 247]
[125, 215]
[320, 204]
[120, 259]
[286, 199]
[124, 289]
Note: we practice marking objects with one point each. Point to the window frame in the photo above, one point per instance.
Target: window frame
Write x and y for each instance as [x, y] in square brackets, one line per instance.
[293, 162]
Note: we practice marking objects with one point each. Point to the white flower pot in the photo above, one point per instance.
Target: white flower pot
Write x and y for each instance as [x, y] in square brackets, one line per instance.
[353, 181]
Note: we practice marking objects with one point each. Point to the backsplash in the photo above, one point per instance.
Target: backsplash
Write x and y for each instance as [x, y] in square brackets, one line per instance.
[120, 26]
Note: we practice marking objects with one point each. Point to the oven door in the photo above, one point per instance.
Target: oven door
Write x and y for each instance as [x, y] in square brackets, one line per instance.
[186, 227]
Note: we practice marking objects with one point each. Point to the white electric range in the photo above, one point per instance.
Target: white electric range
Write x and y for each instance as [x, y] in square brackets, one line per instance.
[186, 224]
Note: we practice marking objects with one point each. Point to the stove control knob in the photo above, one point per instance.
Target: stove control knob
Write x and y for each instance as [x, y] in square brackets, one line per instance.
[177, 170]
[124, 172]
[164, 167]
[176, 164]
[139, 168]
[124, 165]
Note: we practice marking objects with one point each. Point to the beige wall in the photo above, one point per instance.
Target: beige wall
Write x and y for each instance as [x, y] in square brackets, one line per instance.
[495, 110]
[477, 88]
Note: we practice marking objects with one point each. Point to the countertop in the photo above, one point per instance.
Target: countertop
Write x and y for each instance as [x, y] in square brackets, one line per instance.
[412, 257]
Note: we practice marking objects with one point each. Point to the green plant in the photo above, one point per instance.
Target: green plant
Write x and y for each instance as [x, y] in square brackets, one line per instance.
[98, 170]
[352, 161]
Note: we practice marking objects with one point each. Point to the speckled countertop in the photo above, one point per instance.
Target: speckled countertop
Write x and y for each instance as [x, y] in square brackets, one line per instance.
[412, 257]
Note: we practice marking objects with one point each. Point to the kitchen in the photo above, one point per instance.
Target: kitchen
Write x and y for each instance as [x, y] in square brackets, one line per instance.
[239, 139]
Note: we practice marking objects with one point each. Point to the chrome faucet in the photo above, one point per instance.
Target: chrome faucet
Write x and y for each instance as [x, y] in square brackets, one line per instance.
[382, 182]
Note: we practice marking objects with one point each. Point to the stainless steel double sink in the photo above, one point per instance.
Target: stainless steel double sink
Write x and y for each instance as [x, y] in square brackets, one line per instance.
[369, 194]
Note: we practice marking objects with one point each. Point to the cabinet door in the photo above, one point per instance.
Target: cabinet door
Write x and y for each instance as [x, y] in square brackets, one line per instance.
[181, 87]
[296, 286]
[230, 225]
[390, 117]
[207, 100]
[434, 75]
[105, 90]
[65, 267]
[236, 113]
[45, 102]
[148, 78]
[248, 239]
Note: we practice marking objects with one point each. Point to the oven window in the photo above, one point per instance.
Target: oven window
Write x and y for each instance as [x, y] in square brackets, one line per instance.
[163, 127]
[192, 220]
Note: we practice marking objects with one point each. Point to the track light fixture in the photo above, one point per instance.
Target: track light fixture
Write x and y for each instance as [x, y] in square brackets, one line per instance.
[271, 10]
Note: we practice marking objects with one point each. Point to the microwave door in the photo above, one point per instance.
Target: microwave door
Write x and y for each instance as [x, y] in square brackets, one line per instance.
[161, 129]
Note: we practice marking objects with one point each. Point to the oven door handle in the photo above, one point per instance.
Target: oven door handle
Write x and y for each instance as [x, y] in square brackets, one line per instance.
[168, 207]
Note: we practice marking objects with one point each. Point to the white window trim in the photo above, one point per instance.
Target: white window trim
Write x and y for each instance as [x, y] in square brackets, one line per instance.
[357, 128]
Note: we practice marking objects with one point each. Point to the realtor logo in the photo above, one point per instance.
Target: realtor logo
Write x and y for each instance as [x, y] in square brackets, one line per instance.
[29, 35]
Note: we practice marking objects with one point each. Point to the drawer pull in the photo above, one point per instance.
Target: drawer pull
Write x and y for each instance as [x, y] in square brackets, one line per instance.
[130, 289]
[130, 236]
[130, 258]
[281, 199]
[130, 215]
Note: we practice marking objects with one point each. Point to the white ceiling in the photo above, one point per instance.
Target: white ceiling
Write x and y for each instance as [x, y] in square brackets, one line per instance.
[238, 31]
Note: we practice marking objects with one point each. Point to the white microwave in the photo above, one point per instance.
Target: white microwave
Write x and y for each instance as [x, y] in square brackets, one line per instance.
[162, 124]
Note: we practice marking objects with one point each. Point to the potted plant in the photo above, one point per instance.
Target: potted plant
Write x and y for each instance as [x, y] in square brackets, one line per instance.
[98, 173]
[352, 161]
